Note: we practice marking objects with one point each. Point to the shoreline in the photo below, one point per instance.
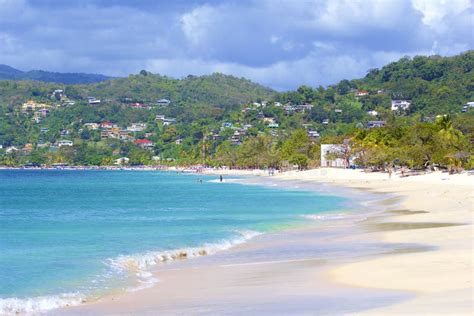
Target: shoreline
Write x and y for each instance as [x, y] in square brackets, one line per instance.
[372, 273]
[175, 293]
[368, 276]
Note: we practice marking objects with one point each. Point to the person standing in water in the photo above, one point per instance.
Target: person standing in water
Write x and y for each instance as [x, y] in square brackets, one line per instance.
[220, 178]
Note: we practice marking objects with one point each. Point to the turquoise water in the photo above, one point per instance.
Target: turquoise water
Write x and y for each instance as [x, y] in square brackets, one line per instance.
[66, 235]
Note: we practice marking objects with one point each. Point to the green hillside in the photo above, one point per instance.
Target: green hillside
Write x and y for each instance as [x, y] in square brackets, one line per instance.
[224, 120]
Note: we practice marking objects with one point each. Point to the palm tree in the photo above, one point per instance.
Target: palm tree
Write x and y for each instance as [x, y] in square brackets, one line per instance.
[447, 129]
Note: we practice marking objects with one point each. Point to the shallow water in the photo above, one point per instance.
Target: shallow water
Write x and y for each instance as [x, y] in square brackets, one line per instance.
[70, 234]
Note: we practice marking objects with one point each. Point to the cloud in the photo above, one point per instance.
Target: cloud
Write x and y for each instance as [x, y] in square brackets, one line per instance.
[280, 43]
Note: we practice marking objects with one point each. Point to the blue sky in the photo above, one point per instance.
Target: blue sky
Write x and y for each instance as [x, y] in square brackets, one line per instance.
[279, 43]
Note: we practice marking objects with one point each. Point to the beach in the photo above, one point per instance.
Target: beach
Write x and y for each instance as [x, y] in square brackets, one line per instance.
[442, 278]
[428, 216]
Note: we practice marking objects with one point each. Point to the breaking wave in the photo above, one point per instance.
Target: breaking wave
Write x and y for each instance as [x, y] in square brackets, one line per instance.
[132, 264]
[35, 305]
[140, 262]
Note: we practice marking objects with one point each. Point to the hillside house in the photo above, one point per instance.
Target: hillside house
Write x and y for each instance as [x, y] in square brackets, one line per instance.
[372, 124]
[163, 102]
[301, 108]
[289, 109]
[121, 161]
[91, 126]
[361, 93]
[107, 125]
[136, 127]
[64, 142]
[216, 136]
[467, 106]
[313, 135]
[93, 101]
[124, 135]
[58, 94]
[373, 113]
[400, 105]
[31, 106]
[11, 149]
[168, 121]
[236, 138]
[144, 143]
[268, 120]
[28, 148]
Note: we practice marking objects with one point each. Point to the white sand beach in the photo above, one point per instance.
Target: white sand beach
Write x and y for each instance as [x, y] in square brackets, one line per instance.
[435, 210]
[442, 279]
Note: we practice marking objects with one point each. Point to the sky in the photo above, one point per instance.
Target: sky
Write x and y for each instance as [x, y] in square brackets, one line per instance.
[279, 43]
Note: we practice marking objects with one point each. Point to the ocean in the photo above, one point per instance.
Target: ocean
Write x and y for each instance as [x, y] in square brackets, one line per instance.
[71, 235]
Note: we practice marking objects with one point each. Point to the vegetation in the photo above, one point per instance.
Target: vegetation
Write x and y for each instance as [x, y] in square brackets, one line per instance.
[221, 120]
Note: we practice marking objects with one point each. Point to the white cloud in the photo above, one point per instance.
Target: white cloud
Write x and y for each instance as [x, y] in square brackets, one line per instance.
[434, 11]
[282, 43]
[196, 24]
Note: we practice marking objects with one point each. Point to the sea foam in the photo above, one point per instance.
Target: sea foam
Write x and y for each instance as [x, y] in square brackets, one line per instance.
[326, 217]
[35, 305]
[138, 263]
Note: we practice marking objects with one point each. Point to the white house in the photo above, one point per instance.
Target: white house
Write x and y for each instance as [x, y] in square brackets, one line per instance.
[11, 149]
[163, 102]
[168, 121]
[373, 113]
[93, 100]
[136, 127]
[121, 161]
[64, 142]
[398, 105]
[314, 135]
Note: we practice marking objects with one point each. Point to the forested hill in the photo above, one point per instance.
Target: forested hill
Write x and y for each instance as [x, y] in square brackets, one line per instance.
[10, 73]
[216, 90]
[434, 84]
